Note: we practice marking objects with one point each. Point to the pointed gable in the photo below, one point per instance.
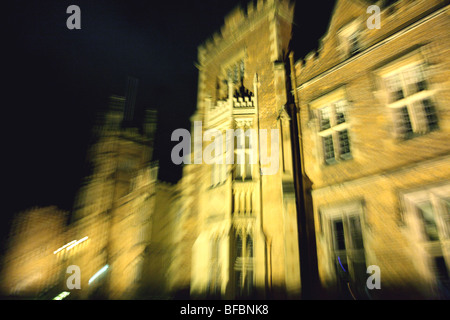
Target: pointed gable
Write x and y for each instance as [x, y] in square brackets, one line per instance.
[347, 18]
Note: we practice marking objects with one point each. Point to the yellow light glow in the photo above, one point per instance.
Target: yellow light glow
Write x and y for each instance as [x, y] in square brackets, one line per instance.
[76, 243]
[62, 295]
[64, 246]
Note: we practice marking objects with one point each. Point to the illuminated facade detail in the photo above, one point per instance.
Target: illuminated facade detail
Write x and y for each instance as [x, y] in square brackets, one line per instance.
[31, 266]
[243, 265]
[350, 38]
[410, 98]
[427, 219]
[362, 181]
[333, 126]
[342, 228]
[250, 217]
[396, 118]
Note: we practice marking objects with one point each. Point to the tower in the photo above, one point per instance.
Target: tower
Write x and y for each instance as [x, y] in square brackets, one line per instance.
[247, 243]
[115, 204]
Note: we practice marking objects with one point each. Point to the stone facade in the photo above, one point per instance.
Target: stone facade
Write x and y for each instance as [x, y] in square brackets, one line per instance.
[246, 242]
[114, 208]
[30, 266]
[374, 121]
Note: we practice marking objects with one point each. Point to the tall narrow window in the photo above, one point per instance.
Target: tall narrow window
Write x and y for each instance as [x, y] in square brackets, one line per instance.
[215, 269]
[238, 246]
[425, 212]
[249, 246]
[344, 143]
[243, 266]
[346, 247]
[243, 155]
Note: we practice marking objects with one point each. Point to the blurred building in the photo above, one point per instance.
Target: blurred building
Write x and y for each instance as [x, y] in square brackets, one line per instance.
[375, 120]
[30, 267]
[114, 206]
[362, 177]
[239, 226]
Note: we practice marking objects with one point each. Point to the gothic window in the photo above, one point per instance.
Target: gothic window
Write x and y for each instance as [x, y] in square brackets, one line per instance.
[215, 269]
[427, 216]
[243, 266]
[243, 159]
[234, 72]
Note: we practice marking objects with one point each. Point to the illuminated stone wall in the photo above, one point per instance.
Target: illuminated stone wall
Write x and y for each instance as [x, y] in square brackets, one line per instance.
[396, 165]
[114, 209]
[30, 267]
[245, 241]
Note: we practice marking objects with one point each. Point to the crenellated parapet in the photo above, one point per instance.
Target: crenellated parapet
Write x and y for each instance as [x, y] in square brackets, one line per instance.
[244, 102]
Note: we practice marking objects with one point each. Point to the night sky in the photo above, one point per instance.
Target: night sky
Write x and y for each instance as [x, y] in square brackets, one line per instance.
[55, 80]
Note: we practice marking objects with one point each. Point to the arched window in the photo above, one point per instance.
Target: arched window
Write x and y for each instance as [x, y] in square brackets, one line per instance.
[243, 266]
[238, 246]
[249, 246]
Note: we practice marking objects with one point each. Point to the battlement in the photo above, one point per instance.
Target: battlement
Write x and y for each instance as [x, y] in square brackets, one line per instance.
[246, 102]
[239, 19]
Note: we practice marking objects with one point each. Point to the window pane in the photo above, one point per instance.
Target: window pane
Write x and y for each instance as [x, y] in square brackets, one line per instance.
[328, 148]
[325, 118]
[405, 122]
[238, 283]
[342, 275]
[249, 283]
[355, 232]
[248, 167]
[249, 246]
[415, 79]
[359, 276]
[441, 269]
[339, 239]
[430, 113]
[344, 143]
[340, 112]
[248, 141]
[442, 276]
[426, 214]
[239, 139]
[394, 87]
[238, 246]
[353, 43]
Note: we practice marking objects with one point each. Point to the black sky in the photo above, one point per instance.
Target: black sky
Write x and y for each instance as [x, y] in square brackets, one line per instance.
[55, 80]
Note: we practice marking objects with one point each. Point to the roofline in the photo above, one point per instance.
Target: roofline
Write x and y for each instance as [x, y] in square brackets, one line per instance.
[375, 46]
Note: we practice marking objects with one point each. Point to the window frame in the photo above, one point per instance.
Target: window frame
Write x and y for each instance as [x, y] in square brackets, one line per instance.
[335, 128]
[412, 101]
